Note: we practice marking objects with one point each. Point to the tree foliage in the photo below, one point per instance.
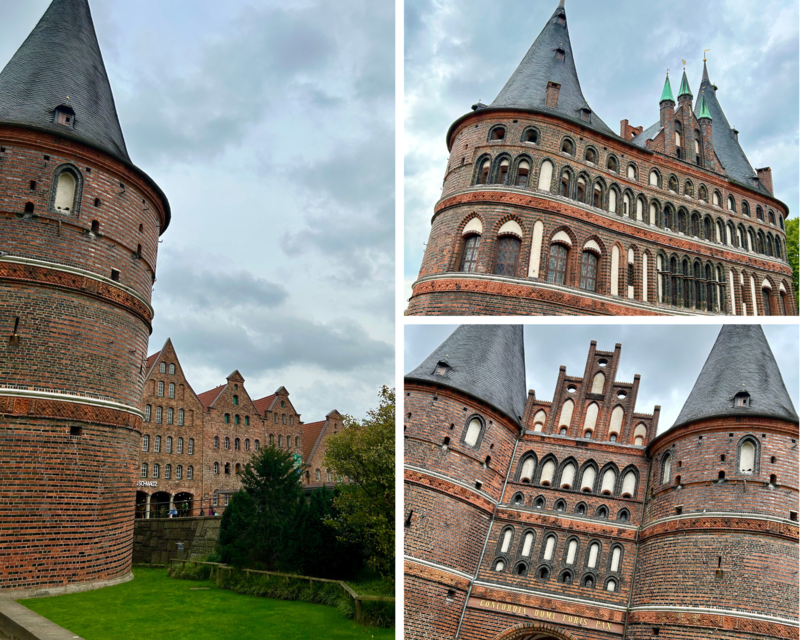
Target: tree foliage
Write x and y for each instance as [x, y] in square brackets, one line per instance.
[364, 453]
[791, 251]
[258, 530]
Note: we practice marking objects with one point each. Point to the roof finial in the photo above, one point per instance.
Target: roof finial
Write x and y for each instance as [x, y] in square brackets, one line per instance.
[560, 4]
[705, 51]
[684, 64]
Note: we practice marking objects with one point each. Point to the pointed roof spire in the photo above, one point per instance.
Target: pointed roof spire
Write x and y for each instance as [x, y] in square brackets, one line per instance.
[740, 361]
[60, 64]
[685, 90]
[549, 60]
[726, 145]
[704, 113]
[666, 94]
[484, 361]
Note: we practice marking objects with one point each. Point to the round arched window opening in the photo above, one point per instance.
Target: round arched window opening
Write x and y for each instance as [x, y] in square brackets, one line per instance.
[544, 573]
[602, 363]
[622, 394]
[572, 388]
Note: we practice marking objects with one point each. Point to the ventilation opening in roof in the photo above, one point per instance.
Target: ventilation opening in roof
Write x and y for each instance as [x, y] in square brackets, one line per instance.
[441, 369]
[560, 54]
[64, 115]
[742, 399]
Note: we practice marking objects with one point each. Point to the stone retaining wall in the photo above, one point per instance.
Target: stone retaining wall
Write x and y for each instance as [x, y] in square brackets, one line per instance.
[155, 540]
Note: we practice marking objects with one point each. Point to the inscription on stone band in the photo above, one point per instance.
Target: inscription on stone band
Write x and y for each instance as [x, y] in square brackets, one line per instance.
[545, 615]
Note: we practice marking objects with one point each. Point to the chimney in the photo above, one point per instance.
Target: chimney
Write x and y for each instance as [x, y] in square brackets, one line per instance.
[627, 132]
[551, 99]
[765, 178]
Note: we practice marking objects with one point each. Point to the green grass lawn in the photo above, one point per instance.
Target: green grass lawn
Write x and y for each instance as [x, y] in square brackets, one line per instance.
[154, 606]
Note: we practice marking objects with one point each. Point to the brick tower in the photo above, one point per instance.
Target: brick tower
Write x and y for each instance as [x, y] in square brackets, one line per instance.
[718, 546]
[546, 211]
[79, 229]
[553, 523]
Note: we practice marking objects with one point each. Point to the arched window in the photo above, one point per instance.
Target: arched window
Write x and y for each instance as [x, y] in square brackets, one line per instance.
[688, 189]
[190, 448]
[590, 420]
[527, 470]
[631, 172]
[612, 201]
[673, 184]
[499, 565]
[527, 544]
[502, 172]
[169, 444]
[473, 432]
[597, 196]
[147, 412]
[236, 444]
[170, 415]
[715, 199]
[609, 479]
[171, 389]
[588, 582]
[498, 133]
[167, 471]
[523, 173]
[567, 147]
[318, 475]
[181, 417]
[568, 476]
[549, 547]
[507, 256]
[564, 189]
[161, 387]
[179, 445]
[247, 444]
[156, 470]
[548, 471]
[255, 445]
[639, 434]
[731, 204]
[591, 155]
[593, 555]
[483, 175]
[65, 192]
[655, 179]
[227, 468]
[765, 301]
[580, 509]
[745, 208]
[505, 540]
[157, 444]
[666, 469]
[629, 485]
[572, 551]
[216, 468]
[588, 270]
[145, 442]
[530, 135]
[227, 443]
[748, 456]
[611, 585]
[678, 136]
[545, 176]
[759, 213]
[557, 266]
[615, 426]
[587, 481]
[612, 164]
[190, 472]
[698, 158]
[216, 442]
[703, 193]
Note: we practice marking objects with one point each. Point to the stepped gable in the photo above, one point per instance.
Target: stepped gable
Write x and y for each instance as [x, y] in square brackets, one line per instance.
[726, 146]
[484, 361]
[527, 87]
[740, 360]
[60, 64]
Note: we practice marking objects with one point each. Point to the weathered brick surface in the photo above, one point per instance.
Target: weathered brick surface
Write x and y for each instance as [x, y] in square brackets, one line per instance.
[65, 500]
[462, 199]
[667, 559]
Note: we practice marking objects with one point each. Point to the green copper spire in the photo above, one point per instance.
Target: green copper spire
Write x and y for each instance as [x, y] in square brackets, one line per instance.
[685, 90]
[667, 93]
[704, 113]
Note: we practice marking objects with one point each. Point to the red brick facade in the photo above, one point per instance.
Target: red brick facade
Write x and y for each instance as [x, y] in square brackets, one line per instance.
[194, 446]
[75, 293]
[665, 234]
[631, 555]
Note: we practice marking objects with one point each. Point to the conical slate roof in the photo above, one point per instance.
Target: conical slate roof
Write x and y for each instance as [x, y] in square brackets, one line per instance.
[726, 145]
[60, 64]
[484, 361]
[527, 87]
[740, 360]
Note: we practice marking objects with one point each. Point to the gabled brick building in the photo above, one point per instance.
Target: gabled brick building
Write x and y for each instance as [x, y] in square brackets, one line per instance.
[79, 234]
[547, 211]
[194, 446]
[572, 519]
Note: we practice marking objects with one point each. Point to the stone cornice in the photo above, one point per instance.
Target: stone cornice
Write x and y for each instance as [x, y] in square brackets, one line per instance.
[40, 272]
[729, 523]
[449, 486]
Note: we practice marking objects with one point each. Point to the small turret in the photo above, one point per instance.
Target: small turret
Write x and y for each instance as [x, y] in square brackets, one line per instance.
[685, 92]
[668, 117]
[707, 133]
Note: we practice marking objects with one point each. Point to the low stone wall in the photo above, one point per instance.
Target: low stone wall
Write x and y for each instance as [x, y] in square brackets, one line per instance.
[155, 540]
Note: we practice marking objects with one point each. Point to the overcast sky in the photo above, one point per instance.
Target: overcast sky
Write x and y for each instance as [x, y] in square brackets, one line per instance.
[457, 52]
[270, 127]
[668, 357]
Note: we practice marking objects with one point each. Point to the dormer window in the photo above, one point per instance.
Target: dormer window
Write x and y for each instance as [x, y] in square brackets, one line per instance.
[64, 115]
[742, 399]
[441, 369]
[560, 54]
[586, 115]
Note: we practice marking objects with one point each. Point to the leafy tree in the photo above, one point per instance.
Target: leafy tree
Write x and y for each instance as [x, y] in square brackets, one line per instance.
[316, 551]
[364, 453]
[235, 532]
[272, 483]
[791, 251]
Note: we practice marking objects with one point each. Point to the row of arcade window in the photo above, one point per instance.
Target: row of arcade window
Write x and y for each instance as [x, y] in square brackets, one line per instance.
[504, 170]
[592, 413]
[236, 419]
[168, 445]
[237, 444]
[168, 471]
[586, 478]
[288, 441]
[560, 506]
[237, 469]
[148, 414]
[522, 558]
[162, 368]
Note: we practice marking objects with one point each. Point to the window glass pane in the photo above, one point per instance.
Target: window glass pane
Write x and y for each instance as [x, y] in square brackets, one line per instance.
[589, 271]
[557, 267]
[507, 254]
[470, 259]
